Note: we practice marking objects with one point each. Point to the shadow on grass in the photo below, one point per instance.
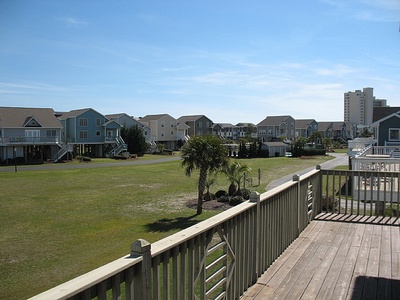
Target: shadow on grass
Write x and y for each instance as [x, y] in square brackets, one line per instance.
[166, 224]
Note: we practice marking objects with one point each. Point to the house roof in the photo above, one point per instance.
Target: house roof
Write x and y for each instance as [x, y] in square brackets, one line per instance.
[304, 123]
[244, 124]
[73, 113]
[275, 144]
[18, 117]
[322, 126]
[225, 125]
[382, 112]
[152, 117]
[191, 118]
[273, 120]
[375, 124]
[115, 116]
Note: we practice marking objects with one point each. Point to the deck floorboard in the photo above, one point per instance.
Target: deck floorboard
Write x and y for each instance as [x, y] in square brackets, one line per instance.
[336, 257]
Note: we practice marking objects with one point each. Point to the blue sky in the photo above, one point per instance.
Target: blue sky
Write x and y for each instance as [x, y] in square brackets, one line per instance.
[233, 61]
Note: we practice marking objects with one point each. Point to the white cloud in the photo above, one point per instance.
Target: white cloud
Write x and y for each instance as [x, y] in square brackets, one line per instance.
[72, 22]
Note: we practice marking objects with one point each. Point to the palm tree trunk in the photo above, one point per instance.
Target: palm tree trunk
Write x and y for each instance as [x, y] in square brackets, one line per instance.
[201, 186]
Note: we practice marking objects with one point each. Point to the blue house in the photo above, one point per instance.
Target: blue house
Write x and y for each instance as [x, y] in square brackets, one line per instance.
[387, 130]
[90, 133]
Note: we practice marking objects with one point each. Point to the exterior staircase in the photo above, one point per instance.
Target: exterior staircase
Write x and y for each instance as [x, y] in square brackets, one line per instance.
[120, 147]
[65, 148]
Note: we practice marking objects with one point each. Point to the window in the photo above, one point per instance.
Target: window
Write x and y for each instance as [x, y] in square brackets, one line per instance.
[172, 133]
[162, 124]
[83, 134]
[98, 132]
[51, 132]
[394, 134]
[98, 122]
[172, 124]
[261, 132]
[83, 122]
[163, 134]
[199, 132]
[199, 124]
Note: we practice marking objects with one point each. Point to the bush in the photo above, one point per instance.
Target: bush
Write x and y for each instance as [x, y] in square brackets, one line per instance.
[245, 194]
[220, 193]
[224, 198]
[236, 200]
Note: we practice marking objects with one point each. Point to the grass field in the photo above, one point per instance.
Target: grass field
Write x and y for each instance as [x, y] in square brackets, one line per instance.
[57, 224]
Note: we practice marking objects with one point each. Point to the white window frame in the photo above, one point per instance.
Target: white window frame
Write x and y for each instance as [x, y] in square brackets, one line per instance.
[395, 130]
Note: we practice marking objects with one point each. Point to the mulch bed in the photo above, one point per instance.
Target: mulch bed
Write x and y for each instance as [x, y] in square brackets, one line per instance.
[209, 205]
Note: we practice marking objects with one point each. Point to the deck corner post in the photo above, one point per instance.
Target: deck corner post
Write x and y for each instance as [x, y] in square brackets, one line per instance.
[142, 248]
[318, 167]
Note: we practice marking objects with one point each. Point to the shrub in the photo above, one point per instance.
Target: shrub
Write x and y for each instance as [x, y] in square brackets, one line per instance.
[236, 200]
[220, 193]
[245, 194]
[224, 198]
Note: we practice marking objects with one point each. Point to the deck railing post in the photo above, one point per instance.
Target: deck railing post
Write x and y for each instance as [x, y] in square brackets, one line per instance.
[142, 288]
[255, 198]
[296, 177]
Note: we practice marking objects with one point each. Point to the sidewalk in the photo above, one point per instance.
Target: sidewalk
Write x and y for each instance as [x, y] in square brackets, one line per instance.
[341, 159]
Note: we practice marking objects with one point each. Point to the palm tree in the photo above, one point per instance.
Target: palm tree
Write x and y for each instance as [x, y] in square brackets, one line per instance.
[234, 173]
[207, 154]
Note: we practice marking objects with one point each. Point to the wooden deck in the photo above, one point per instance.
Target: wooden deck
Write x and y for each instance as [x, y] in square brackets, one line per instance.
[337, 257]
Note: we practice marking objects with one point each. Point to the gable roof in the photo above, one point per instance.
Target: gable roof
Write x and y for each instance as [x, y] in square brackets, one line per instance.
[304, 123]
[19, 117]
[273, 120]
[73, 113]
[191, 118]
[322, 126]
[375, 124]
[382, 112]
[275, 144]
[153, 117]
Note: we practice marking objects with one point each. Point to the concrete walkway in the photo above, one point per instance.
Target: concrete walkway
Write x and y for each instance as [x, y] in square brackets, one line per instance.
[341, 159]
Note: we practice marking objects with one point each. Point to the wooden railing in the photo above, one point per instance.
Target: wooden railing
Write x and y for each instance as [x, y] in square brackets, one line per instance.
[361, 193]
[221, 257]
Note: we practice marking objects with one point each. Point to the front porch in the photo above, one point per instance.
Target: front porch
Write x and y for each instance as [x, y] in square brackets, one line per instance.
[336, 257]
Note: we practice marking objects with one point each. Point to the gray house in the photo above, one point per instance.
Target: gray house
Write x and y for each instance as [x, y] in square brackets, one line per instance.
[30, 134]
[305, 127]
[198, 124]
[387, 130]
[276, 127]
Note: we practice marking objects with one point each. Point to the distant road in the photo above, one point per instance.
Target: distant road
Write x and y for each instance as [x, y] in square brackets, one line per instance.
[341, 159]
[62, 166]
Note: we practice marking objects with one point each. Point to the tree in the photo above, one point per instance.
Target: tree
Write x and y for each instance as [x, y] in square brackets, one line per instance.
[204, 153]
[234, 173]
[135, 139]
[315, 137]
[327, 143]
[298, 147]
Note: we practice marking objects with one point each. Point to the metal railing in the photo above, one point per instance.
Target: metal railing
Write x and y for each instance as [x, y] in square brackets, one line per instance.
[221, 257]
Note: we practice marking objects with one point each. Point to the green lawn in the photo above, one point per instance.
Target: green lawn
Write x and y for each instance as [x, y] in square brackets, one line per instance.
[58, 224]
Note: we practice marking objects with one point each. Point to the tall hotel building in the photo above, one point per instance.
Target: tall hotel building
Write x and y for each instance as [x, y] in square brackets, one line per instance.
[359, 106]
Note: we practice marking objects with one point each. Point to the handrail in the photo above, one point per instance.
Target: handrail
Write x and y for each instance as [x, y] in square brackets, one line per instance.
[221, 257]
